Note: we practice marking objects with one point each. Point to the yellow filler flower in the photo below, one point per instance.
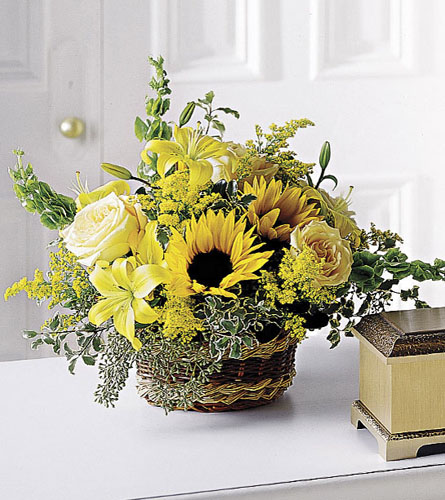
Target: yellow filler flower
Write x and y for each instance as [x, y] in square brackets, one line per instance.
[191, 150]
[216, 253]
[276, 212]
[123, 287]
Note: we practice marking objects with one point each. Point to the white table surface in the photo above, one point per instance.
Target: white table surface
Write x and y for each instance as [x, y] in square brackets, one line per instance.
[56, 443]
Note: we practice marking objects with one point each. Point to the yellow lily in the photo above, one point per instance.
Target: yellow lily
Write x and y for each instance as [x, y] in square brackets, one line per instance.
[146, 248]
[123, 287]
[190, 149]
[86, 197]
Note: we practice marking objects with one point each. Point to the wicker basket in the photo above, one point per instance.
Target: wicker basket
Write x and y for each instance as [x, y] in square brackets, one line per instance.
[260, 376]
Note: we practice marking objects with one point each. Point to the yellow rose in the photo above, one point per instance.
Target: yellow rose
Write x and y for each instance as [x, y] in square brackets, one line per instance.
[117, 187]
[258, 165]
[337, 209]
[103, 229]
[326, 243]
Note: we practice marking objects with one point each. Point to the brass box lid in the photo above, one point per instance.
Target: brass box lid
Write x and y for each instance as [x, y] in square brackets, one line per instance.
[405, 333]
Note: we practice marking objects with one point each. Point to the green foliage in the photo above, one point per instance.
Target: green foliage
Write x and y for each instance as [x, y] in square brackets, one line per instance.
[154, 127]
[231, 197]
[56, 210]
[231, 324]
[169, 359]
[116, 360]
[79, 340]
[211, 115]
[373, 279]
[368, 269]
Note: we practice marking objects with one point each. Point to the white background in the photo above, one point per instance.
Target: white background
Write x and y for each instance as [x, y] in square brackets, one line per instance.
[370, 74]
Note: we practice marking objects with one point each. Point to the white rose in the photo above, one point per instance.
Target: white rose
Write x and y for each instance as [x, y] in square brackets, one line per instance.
[102, 230]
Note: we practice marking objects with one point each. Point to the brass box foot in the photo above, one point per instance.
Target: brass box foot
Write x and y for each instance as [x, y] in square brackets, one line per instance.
[395, 446]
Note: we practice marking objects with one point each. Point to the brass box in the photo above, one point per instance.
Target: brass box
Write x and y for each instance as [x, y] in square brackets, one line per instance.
[402, 380]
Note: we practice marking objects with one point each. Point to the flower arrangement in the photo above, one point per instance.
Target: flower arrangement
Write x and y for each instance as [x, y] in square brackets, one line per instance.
[222, 249]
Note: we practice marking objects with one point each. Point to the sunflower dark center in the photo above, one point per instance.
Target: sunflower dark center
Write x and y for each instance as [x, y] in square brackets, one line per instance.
[210, 268]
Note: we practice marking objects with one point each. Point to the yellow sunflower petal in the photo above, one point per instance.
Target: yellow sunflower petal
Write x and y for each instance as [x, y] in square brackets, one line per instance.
[220, 291]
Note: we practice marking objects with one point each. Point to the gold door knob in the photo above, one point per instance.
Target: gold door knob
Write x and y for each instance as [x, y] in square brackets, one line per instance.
[72, 127]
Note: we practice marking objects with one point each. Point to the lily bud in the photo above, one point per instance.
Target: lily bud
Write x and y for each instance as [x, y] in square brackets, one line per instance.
[117, 171]
[325, 155]
[187, 114]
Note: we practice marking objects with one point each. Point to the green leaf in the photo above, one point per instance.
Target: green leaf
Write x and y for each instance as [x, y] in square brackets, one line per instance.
[235, 351]
[248, 341]
[97, 344]
[332, 178]
[36, 344]
[54, 323]
[247, 199]
[72, 365]
[29, 334]
[229, 326]
[216, 124]
[229, 111]
[361, 273]
[439, 263]
[369, 258]
[165, 106]
[222, 343]
[232, 187]
[334, 337]
[387, 285]
[140, 129]
[88, 360]
[209, 97]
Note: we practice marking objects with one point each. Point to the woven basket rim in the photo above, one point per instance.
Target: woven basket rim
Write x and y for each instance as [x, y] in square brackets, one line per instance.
[250, 389]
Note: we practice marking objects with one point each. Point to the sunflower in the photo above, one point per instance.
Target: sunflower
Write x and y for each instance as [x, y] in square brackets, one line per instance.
[190, 149]
[276, 212]
[216, 253]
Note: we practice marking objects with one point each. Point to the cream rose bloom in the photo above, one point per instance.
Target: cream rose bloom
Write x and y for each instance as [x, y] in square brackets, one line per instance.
[327, 244]
[103, 229]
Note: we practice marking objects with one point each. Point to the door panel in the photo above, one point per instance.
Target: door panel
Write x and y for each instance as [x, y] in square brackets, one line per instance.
[49, 69]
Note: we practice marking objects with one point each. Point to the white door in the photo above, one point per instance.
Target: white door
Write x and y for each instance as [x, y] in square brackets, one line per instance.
[370, 74]
[49, 70]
